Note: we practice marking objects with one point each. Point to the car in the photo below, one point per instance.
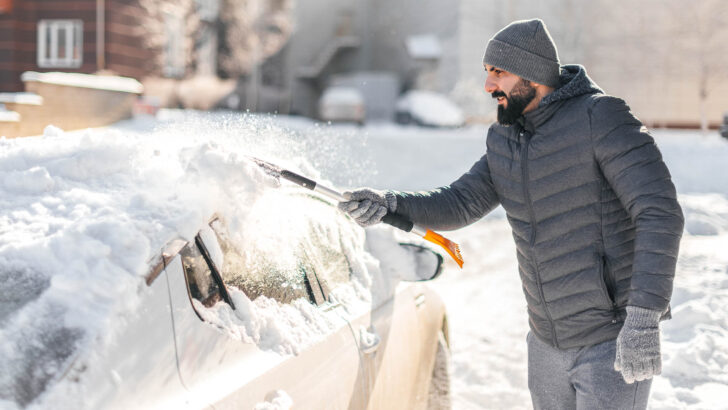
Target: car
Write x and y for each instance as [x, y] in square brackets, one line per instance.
[428, 109]
[342, 104]
[724, 126]
[304, 311]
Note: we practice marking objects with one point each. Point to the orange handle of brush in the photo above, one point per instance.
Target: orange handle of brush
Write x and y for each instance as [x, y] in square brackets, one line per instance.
[406, 225]
[449, 246]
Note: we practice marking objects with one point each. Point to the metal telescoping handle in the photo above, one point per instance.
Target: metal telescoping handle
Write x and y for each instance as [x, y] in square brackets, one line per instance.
[391, 219]
[299, 179]
[335, 195]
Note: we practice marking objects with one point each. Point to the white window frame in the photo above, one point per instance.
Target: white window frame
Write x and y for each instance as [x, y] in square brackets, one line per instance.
[48, 56]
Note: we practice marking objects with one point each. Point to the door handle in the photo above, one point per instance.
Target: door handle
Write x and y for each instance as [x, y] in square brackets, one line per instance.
[368, 340]
[420, 300]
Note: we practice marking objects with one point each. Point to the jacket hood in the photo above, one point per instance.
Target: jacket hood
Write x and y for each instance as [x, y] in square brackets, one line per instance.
[574, 82]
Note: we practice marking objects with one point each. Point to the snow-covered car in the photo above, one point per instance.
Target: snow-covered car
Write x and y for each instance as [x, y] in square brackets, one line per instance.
[331, 317]
[428, 108]
[342, 104]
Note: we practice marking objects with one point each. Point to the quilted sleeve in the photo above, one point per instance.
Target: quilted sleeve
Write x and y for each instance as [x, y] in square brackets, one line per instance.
[461, 203]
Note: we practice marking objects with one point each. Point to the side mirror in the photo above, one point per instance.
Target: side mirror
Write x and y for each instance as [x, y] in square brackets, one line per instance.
[427, 263]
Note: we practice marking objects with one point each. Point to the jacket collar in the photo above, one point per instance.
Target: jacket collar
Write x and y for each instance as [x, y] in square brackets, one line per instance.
[574, 82]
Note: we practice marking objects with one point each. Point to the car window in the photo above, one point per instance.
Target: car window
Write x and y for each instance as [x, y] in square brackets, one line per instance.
[258, 276]
[320, 266]
[327, 260]
[200, 282]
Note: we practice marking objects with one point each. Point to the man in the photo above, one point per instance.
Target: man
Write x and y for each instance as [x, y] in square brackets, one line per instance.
[594, 217]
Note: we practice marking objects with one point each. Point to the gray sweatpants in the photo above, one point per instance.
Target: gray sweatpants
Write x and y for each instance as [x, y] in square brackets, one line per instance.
[580, 378]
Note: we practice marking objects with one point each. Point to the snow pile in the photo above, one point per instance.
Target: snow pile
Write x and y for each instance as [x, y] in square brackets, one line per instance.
[68, 248]
[84, 214]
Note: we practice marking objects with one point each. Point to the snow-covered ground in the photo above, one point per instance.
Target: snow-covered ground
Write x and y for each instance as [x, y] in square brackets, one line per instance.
[99, 202]
[485, 302]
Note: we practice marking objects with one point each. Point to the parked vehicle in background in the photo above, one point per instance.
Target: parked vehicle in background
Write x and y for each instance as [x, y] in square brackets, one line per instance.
[379, 89]
[429, 109]
[198, 339]
[724, 127]
[342, 104]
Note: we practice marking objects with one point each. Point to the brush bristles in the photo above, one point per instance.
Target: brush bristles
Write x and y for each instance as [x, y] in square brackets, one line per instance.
[450, 247]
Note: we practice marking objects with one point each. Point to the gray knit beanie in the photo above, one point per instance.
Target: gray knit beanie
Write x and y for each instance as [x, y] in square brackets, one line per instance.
[525, 48]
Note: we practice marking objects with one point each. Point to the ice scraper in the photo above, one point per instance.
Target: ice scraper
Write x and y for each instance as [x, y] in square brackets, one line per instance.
[395, 220]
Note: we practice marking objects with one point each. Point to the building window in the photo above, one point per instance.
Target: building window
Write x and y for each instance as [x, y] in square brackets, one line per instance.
[60, 43]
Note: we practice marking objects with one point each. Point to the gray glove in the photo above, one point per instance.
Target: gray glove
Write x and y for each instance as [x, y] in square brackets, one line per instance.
[368, 206]
[638, 345]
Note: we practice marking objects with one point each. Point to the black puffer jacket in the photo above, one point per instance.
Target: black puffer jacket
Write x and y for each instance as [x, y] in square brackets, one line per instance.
[592, 207]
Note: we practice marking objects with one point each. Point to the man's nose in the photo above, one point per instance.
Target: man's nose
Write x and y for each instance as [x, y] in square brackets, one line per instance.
[490, 86]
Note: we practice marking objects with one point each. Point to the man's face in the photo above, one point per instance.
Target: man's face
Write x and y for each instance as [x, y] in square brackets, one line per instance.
[512, 92]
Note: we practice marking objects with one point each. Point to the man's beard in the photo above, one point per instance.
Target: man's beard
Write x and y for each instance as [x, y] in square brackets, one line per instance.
[521, 95]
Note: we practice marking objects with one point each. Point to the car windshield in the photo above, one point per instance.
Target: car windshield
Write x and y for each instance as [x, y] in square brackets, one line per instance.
[307, 265]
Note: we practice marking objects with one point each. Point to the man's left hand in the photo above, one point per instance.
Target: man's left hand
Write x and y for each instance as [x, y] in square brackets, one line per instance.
[638, 345]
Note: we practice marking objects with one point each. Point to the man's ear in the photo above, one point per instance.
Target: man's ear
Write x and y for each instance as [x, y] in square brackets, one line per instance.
[541, 87]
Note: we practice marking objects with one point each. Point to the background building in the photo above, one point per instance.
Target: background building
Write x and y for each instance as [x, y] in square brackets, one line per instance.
[667, 60]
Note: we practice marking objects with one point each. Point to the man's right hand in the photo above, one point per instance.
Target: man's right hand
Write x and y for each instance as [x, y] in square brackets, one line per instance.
[368, 206]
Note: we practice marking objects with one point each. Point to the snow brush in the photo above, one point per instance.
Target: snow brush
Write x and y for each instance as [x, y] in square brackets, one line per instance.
[395, 220]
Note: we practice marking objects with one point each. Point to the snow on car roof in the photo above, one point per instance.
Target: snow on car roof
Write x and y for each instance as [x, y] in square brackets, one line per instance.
[431, 108]
[84, 214]
[342, 95]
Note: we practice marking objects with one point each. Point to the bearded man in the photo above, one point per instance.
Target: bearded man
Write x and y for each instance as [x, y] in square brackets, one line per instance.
[594, 215]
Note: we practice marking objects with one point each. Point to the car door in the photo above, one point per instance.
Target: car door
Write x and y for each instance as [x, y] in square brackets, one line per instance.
[137, 367]
[398, 338]
[388, 337]
[229, 370]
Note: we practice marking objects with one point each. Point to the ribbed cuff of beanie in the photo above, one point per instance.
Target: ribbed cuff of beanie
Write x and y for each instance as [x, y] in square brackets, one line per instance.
[524, 64]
